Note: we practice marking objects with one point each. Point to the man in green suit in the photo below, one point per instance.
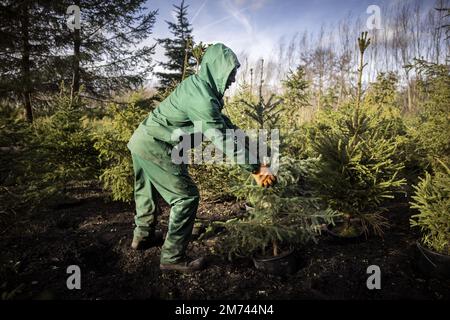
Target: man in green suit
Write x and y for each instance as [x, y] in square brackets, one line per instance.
[197, 99]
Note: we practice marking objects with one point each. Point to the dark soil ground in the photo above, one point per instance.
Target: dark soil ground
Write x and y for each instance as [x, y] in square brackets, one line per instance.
[94, 234]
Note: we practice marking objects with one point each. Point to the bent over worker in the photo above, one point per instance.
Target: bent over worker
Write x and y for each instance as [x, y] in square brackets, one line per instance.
[199, 99]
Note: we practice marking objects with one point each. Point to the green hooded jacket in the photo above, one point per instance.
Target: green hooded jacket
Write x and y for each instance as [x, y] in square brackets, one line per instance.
[199, 99]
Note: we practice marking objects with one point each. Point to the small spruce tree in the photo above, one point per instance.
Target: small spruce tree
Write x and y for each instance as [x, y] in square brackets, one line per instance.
[49, 156]
[287, 215]
[180, 62]
[111, 142]
[265, 113]
[358, 151]
[432, 199]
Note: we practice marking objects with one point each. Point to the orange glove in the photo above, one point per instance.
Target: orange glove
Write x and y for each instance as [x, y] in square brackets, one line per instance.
[264, 177]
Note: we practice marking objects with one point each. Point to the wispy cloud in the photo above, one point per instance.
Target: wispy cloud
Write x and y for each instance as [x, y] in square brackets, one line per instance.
[239, 16]
[237, 30]
[198, 11]
[232, 13]
[253, 4]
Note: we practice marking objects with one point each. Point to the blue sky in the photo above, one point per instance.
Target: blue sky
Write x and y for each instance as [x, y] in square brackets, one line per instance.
[255, 26]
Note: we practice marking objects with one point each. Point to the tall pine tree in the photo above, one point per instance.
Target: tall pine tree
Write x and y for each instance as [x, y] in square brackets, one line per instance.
[38, 50]
[181, 62]
[105, 55]
[26, 42]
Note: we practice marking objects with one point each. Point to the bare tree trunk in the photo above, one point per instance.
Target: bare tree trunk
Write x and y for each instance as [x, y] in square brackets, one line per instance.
[275, 248]
[410, 107]
[439, 29]
[251, 81]
[185, 61]
[76, 61]
[25, 62]
[319, 94]
[409, 91]
[341, 89]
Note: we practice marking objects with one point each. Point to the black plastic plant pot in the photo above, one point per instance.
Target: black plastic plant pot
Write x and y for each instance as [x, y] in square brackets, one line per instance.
[285, 263]
[339, 238]
[432, 264]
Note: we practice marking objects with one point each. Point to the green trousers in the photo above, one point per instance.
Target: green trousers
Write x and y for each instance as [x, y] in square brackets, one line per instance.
[176, 187]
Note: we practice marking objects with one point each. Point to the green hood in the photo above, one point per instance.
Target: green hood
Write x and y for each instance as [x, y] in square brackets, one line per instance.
[217, 64]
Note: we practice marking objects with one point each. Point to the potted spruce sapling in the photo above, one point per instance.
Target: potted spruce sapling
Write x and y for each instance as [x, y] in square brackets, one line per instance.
[278, 219]
[357, 172]
[282, 219]
[432, 200]
[358, 166]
